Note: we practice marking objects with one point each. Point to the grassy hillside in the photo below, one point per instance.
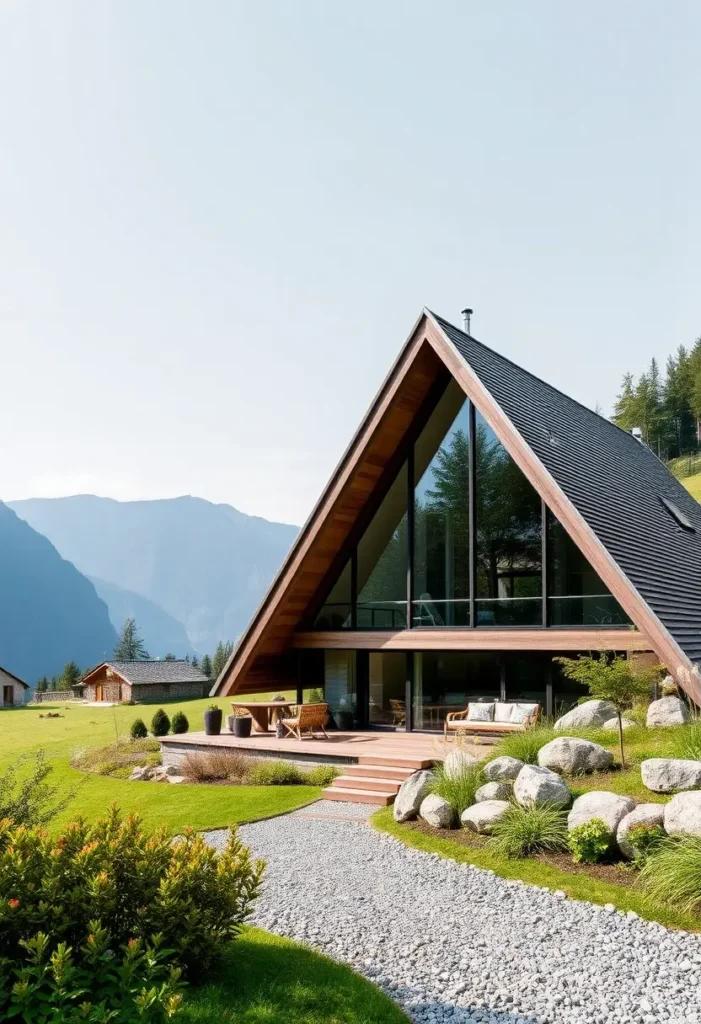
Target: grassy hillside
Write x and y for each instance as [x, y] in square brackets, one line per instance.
[693, 485]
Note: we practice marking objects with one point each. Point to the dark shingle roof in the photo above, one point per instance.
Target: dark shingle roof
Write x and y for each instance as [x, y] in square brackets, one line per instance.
[144, 672]
[615, 482]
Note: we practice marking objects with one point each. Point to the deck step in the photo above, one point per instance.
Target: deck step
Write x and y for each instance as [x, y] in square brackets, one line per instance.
[378, 785]
[358, 796]
[381, 771]
[397, 761]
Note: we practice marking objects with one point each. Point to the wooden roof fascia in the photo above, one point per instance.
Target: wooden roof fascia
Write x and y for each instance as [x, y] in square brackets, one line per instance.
[662, 642]
[104, 664]
[244, 652]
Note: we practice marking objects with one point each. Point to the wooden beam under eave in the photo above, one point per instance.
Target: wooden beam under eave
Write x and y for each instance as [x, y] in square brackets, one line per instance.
[476, 640]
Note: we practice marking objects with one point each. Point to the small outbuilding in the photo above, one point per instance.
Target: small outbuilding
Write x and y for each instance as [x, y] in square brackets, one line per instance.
[14, 690]
[143, 681]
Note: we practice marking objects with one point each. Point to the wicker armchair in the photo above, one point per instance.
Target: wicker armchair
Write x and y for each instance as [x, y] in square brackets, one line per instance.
[307, 718]
[398, 712]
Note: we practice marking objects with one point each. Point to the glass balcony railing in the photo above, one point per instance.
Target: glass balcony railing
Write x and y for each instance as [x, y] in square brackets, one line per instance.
[586, 610]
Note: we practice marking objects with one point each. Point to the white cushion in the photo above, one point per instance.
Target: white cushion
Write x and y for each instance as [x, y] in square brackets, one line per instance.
[520, 712]
[502, 711]
[480, 712]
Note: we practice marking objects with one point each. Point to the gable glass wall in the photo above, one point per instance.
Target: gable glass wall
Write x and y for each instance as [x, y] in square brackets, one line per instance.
[461, 539]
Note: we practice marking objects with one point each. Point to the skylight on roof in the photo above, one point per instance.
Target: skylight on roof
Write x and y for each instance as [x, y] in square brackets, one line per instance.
[678, 515]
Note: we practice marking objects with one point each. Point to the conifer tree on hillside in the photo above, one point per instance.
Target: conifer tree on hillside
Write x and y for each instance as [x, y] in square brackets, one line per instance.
[169, 657]
[206, 666]
[195, 661]
[69, 677]
[130, 646]
[221, 656]
[43, 685]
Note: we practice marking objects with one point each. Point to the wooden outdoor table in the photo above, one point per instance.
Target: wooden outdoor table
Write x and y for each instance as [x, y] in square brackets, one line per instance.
[263, 711]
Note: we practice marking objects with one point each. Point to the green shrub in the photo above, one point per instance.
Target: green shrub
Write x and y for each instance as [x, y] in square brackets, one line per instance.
[215, 765]
[524, 830]
[525, 745]
[138, 729]
[135, 883]
[590, 842]
[180, 723]
[29, 799]
[47, 984]
[117, 759]
[672, 874]
[685, 742]
[457, 787]
[274, 773]
[322, 775]
[160, 723]
[645, 840]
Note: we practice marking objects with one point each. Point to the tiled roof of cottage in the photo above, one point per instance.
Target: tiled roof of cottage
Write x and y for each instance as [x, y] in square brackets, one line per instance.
[142, 673]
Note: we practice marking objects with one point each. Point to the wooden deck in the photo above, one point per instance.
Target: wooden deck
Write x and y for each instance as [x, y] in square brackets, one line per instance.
[375, 763]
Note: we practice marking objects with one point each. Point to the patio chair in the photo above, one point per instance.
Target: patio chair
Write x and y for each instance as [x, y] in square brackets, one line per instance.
[398, 712]
[307, 718]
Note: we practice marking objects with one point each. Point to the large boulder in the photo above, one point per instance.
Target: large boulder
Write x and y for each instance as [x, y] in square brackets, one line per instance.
[590, 715]
[668, 711]
[682, 815]
[612, 724]
[494, 791]
[411, 794]
[667, 774]
[643, 814]
[458, 761]
[436, 811]
[536, 787]
[482, 817]
[609, 807]
[573, 756]
[502, 768]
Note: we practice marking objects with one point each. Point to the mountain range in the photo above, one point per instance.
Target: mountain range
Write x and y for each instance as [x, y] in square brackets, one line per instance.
[49, 612]
[190, 571]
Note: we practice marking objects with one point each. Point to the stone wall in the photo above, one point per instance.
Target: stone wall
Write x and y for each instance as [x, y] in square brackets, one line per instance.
[152, 692]
[53, 696]
[111, 692]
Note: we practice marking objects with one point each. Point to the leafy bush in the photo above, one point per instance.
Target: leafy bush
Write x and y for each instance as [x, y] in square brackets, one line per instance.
[214, 766]
[524, 830]
[138, 729]
[135, 884]
[29, 799]
[180, 723]
[274, 773]
[525, 745]
[686, 742]
[457, 787]
[47, 985]
[645, 840]
[322, 775]
[672, 874]
[160, 723]
[590, 842]
[118, 759]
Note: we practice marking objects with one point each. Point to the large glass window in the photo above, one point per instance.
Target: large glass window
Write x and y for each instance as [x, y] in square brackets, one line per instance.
[509, 537]
[446, 680]
[336, 612]
[441, 515]
[387, 684]
[339, 681]
[382, 562]
[577, 595]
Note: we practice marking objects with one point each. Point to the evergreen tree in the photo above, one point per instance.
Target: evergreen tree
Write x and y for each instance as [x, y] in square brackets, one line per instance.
[221, 656]
[206, 666]
[170, 657]
[43, 685]
[69, 677]
[130, 646]
[195, 661]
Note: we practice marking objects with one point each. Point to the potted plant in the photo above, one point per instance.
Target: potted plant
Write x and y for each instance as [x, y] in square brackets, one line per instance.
[242, 726]
[343, 716]
[212, 720]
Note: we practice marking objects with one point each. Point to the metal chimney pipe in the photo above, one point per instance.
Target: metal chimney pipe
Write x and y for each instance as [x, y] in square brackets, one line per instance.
[466, 314]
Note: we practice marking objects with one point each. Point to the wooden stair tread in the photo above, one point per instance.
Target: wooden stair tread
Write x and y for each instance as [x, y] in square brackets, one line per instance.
[358, 796]
[367, 782]
[396, 761]
[381, 771]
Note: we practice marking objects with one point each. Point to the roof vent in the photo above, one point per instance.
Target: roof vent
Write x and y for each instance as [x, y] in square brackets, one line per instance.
[678, 515]
[637, 433]
[466, 315]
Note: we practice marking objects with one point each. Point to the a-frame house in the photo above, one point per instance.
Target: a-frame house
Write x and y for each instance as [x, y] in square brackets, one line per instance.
[480, 524]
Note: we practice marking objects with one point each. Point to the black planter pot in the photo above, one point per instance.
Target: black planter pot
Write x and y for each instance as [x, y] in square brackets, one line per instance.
[212, 721]
[344, 720]
[242, 726]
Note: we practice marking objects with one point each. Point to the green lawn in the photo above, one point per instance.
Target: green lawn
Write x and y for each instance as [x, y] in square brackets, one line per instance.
[693, 485]
[535, 871]
[269, 980]
[203, 807]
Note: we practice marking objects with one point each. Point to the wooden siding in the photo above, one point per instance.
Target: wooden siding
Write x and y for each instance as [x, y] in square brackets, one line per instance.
[477, 640]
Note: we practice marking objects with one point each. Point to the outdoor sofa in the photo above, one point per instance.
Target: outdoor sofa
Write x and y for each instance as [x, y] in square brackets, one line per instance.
[495, 718]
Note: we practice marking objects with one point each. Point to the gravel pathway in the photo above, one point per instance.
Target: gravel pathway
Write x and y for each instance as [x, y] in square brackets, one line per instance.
[452, 943]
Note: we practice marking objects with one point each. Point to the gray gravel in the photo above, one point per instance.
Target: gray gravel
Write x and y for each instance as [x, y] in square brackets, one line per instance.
[456, 944]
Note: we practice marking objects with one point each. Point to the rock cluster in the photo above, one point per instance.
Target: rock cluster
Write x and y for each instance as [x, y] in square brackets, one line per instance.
[161, 773]
[502, 769]
[437, 812]
[411, 795]
[608, 807]
[536, 786]
[482, 817]
[682, 815]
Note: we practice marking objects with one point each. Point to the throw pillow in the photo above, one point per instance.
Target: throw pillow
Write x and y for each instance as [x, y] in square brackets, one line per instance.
[520, 712]
[502, 711]
[480, 712]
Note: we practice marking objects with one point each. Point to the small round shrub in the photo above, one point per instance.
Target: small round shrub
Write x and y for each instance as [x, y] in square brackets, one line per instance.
[180, 723]
[274, 773]
[322, 775]
[590, 842]
[645, 840]
[138, 729]
[160, 723]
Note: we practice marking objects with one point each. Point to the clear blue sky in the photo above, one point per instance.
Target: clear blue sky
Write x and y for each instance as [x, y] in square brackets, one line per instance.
[219, 220]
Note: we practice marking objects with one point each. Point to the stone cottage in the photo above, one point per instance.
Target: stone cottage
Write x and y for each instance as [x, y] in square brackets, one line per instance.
[143, 681]
[13, 691]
